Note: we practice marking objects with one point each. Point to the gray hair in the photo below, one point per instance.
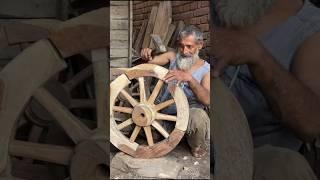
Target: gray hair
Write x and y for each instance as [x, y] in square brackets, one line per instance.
[191, 30]
[241, 13]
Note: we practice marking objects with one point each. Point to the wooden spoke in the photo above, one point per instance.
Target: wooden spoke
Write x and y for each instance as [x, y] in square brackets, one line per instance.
[131, 100]
[83, 103]
[123, 109]
[167, 117]
[76, 130]
[163, 105]
[134, 86]
[142, 89]
[43, 152]
[124, 124]
[147, 130]
[135, 133]
[121, 103]
[135, 94]
[161, 130]
[78, 78]
[155, 92]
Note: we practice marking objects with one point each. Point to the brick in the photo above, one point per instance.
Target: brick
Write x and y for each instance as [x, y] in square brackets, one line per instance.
[139, 17]
[201, 11]
[206, 35]
[140, 5]
[205, 4]
[195, 21]
[194, 5]
[199, 4]
[138, 11]
[204, 27]
[186, 7]
[186, 15]
[204, 19]
[137, 23]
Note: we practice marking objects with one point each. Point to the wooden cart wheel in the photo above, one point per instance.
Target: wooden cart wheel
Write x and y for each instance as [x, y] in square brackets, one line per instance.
[145, 114]
[25, 77]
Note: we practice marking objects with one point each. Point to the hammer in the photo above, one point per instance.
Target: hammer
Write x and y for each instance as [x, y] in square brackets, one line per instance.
[160, 48]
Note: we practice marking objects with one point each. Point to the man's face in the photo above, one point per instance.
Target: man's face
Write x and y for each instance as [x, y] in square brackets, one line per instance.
[240, 13]
[188, 52]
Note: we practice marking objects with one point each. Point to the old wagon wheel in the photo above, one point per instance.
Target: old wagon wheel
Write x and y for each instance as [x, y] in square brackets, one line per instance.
[145, 114]
[32, 69]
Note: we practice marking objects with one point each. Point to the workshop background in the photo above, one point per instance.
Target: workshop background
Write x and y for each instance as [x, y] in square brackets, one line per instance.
[190, 12]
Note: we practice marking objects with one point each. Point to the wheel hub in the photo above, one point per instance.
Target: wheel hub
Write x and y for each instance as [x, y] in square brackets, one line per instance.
[142, 115]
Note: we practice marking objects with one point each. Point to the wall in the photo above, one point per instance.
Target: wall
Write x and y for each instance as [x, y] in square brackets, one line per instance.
[191, 12]
[120, 33]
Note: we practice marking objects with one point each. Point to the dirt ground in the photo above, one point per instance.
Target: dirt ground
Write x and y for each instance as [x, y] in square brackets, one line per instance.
[193, 168]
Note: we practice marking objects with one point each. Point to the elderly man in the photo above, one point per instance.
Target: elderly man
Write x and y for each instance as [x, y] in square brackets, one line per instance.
[271, 49]
[193, 75]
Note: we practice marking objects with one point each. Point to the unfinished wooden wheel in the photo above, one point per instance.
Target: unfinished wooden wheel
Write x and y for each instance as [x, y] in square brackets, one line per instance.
[145, 114]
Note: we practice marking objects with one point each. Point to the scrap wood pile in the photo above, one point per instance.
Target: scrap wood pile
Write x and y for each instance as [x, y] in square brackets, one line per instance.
[159, 23]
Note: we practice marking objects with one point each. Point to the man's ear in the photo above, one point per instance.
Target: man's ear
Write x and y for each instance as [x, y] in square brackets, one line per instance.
[200, 45]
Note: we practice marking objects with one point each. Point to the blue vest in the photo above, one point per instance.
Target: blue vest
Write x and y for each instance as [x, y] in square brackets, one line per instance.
[192, 99]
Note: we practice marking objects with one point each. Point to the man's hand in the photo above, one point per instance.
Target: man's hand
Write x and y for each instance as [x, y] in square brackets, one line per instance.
[234, 47]
[180, 76]
[146, 54]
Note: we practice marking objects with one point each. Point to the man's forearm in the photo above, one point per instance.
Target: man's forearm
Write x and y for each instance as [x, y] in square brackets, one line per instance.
[201, 93]
[293, 102]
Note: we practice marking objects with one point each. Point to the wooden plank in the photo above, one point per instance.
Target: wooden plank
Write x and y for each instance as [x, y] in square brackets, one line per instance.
[119, 44]
[119, 24]
[171, 29]
[134, 36]
[119, 35]
[173, 40]
[119, 3]
[119, 12]
[118, 53]
[139, 39]
[163, 20]
[130, 43]
[150, 26]
[119, 62]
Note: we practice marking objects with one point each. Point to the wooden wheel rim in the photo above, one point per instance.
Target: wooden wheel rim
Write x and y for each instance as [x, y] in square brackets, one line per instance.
[163, 147]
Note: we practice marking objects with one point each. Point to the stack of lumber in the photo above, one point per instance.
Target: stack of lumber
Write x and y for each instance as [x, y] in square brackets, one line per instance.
[159, 23]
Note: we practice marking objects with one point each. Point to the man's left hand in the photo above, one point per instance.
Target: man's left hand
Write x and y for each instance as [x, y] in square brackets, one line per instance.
[180, 76]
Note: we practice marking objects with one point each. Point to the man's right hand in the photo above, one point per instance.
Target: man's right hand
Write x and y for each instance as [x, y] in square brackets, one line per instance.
[146, 54]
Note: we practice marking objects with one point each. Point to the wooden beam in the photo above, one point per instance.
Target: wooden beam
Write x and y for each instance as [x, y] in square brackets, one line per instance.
[163, 20]
[139, 39]
[173, 41]
[149, 30]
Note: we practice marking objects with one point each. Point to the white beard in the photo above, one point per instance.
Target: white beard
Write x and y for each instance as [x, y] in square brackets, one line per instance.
[186, 62]
[240, 13]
